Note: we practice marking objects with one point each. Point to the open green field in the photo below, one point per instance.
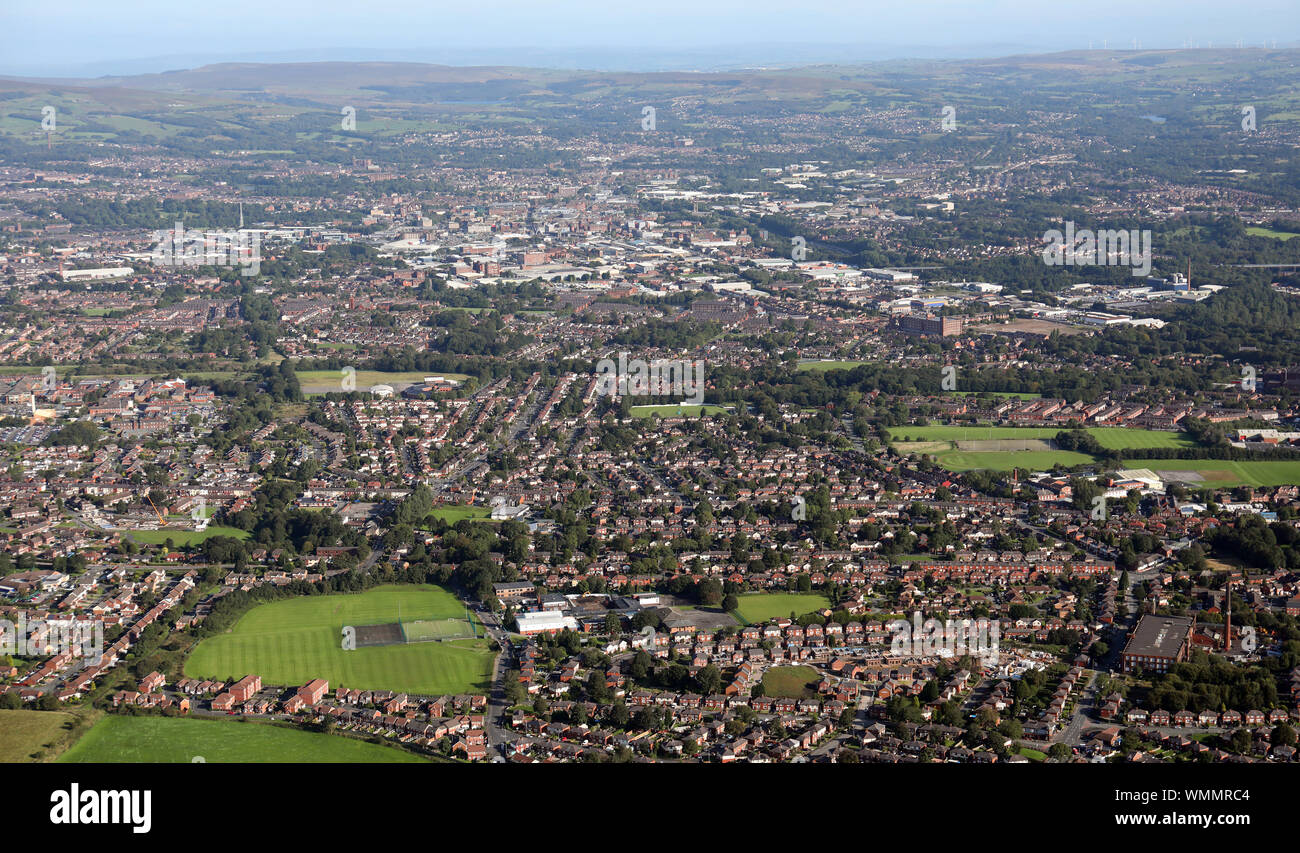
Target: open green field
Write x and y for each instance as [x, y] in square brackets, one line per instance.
[452, 513]
[122, 740]
[325, 381]
[1257, 231]
[32, 735]
[1224, 473]
[423, 630]
[1196, 473]
[293, 641]
[1114, 438]
[184, 538]
[1005, 460]
[762, 606]
[823, 366]
[793, 682]
[676, 411]
[939, 441]
[1019, 395]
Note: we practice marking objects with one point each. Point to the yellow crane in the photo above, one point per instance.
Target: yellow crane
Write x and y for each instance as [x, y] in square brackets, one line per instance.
[161, 519]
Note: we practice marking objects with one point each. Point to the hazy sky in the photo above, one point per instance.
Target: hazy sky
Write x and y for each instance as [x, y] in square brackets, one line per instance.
[76, 36]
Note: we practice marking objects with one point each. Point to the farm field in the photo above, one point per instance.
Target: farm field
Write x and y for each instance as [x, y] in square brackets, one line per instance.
[675, 411]
[790, 681]
[293, 641]
[32, 735]
[1212, 473]
[762, 606]
[118, 739]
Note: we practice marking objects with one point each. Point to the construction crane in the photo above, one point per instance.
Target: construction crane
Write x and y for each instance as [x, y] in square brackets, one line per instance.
[161, 519]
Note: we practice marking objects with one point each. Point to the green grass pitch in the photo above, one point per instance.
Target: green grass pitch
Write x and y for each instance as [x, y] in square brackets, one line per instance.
[1005, 460]
[452, 513]
[1226, 473]
[672, 411]
[293, 641]
[954, 459]
[1116, 438]
[422, 630]
[761, 606]
[183, 538]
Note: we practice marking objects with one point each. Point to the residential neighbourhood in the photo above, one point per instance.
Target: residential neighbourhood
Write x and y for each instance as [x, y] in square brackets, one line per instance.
[785, 409]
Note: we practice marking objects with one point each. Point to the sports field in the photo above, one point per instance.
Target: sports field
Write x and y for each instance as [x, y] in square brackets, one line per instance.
[675, 411]
[293, 641]
[1256, 231]
[762, 606]
[128, 740]
[1221, 473]
[967, 448]
[452, 513]
[1114, 438]
[1036, 460]
[423, 630]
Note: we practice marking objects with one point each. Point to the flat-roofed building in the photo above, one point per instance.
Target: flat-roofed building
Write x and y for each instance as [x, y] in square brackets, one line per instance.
[96, 274]
[544, 622]
[922, 324]
[1157, 643]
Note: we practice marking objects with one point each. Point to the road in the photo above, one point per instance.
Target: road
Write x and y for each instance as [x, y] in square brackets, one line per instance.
[498, 734]
[1072, 734]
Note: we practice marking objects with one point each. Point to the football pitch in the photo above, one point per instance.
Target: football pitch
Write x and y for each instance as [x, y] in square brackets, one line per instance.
[756, 607]
[425, 630]
[293, 641]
